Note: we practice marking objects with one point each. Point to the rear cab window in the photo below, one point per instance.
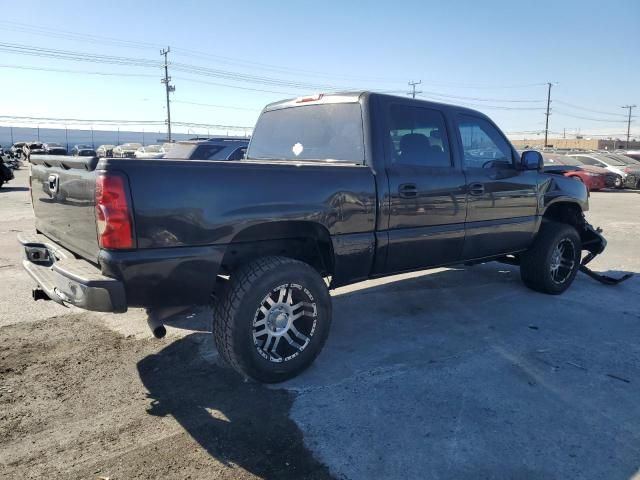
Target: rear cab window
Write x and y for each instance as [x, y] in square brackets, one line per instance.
[418, 137]
[331, 131]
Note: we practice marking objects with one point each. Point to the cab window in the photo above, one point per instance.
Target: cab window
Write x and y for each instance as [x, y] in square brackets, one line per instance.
[483, 145]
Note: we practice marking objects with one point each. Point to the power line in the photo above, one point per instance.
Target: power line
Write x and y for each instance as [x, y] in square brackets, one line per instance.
[484, 106]
[217, 106]
[588, 109]
[481, 99]
[113, 122]
[591, 119]
[103, 40]
[61, 70]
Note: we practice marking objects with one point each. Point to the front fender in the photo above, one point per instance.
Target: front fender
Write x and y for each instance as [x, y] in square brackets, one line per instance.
[555, 189]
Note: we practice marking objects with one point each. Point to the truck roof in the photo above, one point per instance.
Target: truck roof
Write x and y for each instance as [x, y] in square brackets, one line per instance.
[352, 97]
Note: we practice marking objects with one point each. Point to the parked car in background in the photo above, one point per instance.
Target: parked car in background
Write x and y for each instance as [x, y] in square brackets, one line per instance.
[635, 154]
[628, 175]
[126, 150]
[6, 173]
[105, 151]
[594, 178]
[211, 149]
[16, 149]
[54, 149]
[167, 147]
[83, 151]
[150, 151]
[632, 162]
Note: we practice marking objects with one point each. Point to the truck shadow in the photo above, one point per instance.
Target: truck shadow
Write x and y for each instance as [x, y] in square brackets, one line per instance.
[238, 423]
[251, 426]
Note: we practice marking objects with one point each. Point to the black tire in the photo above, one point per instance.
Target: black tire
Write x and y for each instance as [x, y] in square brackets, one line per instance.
[536, 264]
[618, 183]
[243, 305]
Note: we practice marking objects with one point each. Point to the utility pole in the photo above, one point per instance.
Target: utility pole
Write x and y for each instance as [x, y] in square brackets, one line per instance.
[66, 137]
[168, 88]
[93, 144]
[38, 132]
[118, 141]
[11, 134]
[413, 91]
[143, 137]
[546, 126]
[630, 107]
[564, 133]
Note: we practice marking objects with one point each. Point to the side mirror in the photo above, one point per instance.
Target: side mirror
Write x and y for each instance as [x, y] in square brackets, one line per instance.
[531, 160]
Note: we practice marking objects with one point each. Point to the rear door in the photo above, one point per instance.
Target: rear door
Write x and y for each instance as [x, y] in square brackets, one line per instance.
[427, 197]
[502, 199]
[63, 195]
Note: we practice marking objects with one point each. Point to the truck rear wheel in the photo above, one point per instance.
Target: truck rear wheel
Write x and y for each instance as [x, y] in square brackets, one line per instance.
[272, 319]
[552, 263]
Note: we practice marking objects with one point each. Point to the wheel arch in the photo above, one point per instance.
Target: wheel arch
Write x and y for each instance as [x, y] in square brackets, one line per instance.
[565, 211]
[307, 241]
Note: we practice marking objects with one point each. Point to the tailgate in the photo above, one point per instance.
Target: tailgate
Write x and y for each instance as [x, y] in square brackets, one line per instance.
[63, 195]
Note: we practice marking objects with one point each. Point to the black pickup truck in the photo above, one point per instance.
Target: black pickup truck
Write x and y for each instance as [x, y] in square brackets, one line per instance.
[334, 189]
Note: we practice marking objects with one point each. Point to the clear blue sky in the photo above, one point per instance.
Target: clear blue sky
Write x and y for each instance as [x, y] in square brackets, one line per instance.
[473, 49]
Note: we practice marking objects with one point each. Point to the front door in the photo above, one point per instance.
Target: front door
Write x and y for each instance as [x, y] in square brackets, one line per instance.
[502, 198]
[427, 192]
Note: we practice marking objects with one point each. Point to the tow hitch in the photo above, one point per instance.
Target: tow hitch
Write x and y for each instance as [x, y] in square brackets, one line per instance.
[595, 243]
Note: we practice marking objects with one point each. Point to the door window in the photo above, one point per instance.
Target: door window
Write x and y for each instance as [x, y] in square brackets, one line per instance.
[418, 137]
[206, 152]
[591, 161]
[483, 145]
[238, 154]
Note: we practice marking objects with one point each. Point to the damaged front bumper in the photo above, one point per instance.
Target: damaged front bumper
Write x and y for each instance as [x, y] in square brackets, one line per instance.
[594, 243]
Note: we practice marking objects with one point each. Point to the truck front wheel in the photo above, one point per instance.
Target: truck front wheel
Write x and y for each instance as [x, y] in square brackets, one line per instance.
[272, 318]
[552, 263]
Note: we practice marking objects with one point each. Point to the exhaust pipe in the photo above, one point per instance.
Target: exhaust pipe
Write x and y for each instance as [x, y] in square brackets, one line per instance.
[156, 317]
[155, 324]
[39, 294]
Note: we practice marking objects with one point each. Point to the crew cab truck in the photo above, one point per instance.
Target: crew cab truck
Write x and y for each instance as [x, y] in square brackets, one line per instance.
[334, 189]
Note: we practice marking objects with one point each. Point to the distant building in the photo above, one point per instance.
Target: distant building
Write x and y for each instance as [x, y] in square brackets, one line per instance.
[578, 143]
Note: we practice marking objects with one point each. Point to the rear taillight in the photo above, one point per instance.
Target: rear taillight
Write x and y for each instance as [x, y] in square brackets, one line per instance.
[113, 215]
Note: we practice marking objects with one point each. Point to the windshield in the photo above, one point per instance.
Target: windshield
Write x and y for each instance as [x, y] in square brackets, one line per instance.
[152, 148]
[181, 150]
[312, 132]
[565, 160]
[622, 158]
[611, 160]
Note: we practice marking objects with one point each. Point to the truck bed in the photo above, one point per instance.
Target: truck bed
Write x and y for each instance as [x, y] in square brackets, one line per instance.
[186, 203]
